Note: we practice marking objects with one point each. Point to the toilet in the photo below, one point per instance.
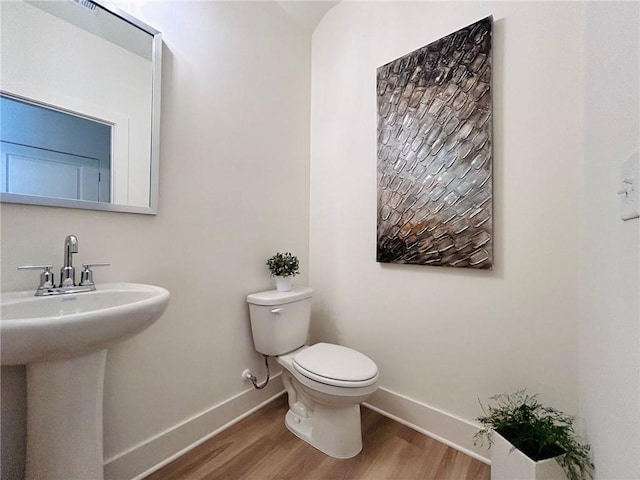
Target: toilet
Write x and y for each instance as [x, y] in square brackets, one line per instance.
[325, 382]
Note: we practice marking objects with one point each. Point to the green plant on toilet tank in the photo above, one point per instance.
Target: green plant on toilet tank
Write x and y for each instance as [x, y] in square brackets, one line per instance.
[283, 266]
[538, 431]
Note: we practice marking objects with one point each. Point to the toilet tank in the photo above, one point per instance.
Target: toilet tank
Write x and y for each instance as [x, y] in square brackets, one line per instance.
[280, 320]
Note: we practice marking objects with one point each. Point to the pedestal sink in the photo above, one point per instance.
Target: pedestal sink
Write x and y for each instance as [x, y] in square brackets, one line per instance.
[63, 340]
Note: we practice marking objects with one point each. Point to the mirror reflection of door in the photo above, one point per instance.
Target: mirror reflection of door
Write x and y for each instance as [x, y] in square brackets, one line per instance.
[51, 153]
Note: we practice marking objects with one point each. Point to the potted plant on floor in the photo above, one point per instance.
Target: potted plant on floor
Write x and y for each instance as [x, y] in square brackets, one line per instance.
[283, 266]
[531, 441]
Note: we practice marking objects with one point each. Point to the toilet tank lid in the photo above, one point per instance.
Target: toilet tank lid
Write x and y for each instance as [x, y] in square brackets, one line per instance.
[274, 297]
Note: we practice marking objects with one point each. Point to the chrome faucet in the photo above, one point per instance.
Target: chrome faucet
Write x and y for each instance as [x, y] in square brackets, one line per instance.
[67, 273]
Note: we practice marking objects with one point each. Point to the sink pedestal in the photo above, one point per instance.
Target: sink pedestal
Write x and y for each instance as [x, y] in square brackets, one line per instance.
[64, 418]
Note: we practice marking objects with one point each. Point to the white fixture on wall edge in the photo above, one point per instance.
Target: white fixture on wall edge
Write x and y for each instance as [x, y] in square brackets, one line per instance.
[629, 184]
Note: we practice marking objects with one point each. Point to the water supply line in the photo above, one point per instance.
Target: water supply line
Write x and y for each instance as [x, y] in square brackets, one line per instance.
[249, 376]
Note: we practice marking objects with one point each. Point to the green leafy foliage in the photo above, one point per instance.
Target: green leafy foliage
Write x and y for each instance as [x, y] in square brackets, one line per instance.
[283, 265]
[537, 431]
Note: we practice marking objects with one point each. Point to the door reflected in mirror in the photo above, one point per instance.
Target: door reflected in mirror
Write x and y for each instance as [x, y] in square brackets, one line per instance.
[50, 153]
[79, 107]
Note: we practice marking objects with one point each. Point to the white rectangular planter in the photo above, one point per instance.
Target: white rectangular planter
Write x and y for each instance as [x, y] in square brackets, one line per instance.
[515, 465]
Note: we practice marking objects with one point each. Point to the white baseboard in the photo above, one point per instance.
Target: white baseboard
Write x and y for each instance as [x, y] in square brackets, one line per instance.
[442, 426]
[152, 454]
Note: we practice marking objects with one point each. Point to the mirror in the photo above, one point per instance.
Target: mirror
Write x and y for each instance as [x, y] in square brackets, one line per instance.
[79, 106]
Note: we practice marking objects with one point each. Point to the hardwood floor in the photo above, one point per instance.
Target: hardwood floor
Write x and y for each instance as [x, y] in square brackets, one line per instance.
[261, 448]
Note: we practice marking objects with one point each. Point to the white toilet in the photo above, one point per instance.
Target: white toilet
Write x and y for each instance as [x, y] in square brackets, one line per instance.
[326, 383]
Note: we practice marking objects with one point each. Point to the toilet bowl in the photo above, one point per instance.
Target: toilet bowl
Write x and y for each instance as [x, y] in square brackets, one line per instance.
[324, 403]
[325, 383]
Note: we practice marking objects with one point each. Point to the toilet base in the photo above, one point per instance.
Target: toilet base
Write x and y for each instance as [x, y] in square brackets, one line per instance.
[336, 432]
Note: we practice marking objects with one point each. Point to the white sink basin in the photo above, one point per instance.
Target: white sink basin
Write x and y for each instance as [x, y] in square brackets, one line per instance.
[36, 329]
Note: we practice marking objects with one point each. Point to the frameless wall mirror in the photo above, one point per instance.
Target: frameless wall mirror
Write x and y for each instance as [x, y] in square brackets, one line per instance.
[79, 106]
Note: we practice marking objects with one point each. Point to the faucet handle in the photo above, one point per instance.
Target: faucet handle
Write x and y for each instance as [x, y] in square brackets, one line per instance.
[86, 276]
[46, 277]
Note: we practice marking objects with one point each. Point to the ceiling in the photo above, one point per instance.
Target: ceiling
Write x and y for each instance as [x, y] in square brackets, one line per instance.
[307, 13]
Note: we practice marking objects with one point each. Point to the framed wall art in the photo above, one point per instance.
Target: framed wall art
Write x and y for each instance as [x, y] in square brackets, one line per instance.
[435, 153]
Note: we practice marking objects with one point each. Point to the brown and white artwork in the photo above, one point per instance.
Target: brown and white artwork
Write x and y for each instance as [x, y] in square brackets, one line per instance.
[435, 153]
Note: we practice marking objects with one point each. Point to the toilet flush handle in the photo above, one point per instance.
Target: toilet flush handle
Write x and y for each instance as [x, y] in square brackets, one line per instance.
[276, 311]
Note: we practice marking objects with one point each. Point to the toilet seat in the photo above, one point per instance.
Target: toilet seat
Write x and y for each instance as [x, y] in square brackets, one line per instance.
[336, 365]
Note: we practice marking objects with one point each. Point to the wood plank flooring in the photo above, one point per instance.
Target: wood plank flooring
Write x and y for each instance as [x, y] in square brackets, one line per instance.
[261, 448]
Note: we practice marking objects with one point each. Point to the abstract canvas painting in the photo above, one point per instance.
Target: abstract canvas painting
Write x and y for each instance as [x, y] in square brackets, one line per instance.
[435, 153]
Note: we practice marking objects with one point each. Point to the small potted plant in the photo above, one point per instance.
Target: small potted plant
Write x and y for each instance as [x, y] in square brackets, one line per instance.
[283, 266]
[531, 441]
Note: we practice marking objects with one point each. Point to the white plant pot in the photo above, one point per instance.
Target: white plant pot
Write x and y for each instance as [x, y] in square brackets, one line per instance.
[284, 284]
[508, 463]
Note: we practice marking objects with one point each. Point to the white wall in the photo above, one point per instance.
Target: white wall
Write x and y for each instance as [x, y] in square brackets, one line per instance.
[559, 314]
[233, 190]
[444, 337]
[609, 316]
